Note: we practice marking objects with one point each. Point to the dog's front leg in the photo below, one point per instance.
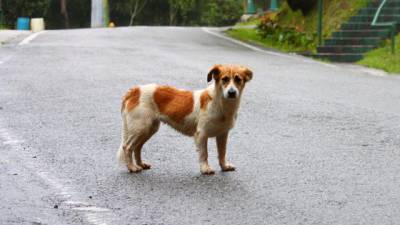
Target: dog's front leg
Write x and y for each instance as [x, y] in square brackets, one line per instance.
[221, 145]
[201, 139]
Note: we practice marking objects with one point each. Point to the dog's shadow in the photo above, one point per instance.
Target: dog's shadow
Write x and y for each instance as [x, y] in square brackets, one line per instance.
[220, 185]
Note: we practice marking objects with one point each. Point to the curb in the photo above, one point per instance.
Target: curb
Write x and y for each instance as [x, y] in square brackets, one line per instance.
[6, 36]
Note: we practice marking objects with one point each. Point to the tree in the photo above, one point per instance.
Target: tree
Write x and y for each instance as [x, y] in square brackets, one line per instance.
[221, 12]
[131, 8]
[181, 8]
[64, 12]
[136, 7]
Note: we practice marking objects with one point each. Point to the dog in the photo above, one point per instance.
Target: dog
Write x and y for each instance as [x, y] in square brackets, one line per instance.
[202, 114]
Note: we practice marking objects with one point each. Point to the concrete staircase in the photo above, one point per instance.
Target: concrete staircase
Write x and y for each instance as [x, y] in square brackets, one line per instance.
[357, 36]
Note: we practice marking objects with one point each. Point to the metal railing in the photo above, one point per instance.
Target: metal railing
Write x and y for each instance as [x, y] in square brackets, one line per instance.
[392, 26]
[320, 16]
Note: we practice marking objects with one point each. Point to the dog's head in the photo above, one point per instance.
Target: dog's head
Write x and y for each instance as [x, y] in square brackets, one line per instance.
[230, 79]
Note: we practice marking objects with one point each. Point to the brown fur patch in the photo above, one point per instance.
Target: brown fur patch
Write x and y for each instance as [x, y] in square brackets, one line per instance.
[131, 99]
[174, 103]
[204, 99]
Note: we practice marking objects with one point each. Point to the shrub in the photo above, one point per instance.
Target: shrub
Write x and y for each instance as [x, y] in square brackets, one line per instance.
[268, 24]
[270, 28]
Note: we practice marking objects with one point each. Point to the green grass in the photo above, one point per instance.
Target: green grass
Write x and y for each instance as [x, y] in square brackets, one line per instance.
[382, 58]
[252, 36]
[251, 22]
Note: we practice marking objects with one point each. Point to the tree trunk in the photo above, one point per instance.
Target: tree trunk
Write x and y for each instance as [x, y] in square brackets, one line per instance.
[136, 10]
[64, 12]
[172, 16]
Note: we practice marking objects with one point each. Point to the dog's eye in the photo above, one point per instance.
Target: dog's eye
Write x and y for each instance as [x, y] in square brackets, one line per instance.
[225, 80]
[238, 80]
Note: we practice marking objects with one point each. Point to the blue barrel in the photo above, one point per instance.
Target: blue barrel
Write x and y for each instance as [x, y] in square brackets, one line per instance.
[23, 23]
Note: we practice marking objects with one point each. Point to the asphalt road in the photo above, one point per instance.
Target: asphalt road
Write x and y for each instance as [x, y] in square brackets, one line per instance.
[314, 143]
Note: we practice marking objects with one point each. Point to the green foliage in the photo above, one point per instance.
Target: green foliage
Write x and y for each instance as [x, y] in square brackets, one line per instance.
[154, 12]
[220, 13]
[336, 12]
[181, 12]
[181, 8]
[269, 28]
[382, 58]
[268, 24]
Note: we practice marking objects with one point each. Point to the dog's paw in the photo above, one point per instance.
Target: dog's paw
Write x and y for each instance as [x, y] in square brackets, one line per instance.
[145, 166]
[134, 168]
[206, 170]
[228, 167]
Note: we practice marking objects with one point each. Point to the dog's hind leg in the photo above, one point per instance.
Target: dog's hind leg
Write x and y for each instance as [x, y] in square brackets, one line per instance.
[132, 167]
[138, 130]
[130, 138]
[146, 135]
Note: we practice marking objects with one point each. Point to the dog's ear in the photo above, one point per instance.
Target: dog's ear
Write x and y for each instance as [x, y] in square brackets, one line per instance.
[215, 72]
[248, 74]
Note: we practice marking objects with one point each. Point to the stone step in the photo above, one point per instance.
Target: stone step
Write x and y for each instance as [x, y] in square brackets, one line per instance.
[385, 11]
[361, 33]
[358, 36]
[342, 57]
[353, 41]
[344, 48]
[363, 26]
[381, 18]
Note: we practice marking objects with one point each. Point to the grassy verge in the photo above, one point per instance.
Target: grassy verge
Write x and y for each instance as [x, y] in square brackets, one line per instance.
[382, 58]
[251, 22]
[252, 36]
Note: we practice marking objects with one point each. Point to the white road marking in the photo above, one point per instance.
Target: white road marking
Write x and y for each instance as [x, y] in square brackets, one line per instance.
[71, 199]
[5, 59]
[12, 142]
[92, 208]
[254, 48]
[28, 39]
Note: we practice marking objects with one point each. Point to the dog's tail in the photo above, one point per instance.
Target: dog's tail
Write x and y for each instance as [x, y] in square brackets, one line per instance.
[121, 154]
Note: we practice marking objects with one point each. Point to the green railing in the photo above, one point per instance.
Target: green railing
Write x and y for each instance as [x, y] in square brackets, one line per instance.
[392, 26]
[320, 15]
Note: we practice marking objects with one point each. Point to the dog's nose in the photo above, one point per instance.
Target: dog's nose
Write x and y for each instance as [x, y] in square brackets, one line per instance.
[231, 93]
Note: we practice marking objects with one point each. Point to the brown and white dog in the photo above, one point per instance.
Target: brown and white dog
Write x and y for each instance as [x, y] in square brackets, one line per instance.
[206, 113]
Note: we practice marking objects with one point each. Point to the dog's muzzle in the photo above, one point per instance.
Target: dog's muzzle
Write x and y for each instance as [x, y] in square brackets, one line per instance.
[232, 93]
